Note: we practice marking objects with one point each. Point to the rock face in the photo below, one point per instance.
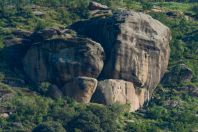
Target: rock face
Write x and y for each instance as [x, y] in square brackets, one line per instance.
[59, 60]
[81, 89]
[118, 91]
[136, 47]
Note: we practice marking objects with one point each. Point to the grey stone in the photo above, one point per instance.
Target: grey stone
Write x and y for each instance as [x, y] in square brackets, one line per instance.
[81, 89]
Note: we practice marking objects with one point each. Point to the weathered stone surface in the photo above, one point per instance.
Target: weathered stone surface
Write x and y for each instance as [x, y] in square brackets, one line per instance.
[97, 6]
[118, 91]
[136, 46]
[60, 59]
[4, 115]
[100, 13]
[81, 89]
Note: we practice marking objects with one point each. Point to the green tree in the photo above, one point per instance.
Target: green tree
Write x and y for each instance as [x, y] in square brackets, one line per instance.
[49, 127]
[2, 7]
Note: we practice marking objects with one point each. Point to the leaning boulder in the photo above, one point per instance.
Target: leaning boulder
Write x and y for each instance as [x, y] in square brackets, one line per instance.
[60, 59]
[81, 89]
[112, 91]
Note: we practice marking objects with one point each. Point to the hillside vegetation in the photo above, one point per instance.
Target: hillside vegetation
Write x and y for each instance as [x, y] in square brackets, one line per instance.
[173, 107]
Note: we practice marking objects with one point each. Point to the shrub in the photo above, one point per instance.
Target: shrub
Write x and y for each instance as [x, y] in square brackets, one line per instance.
[195, 9]
[157, 112]
[141, 127]
[96, 118]
[49, 127]
[43, 87]
[86, 121]
[29, 108]
[1, 42]
[147, 6]
[40, 25]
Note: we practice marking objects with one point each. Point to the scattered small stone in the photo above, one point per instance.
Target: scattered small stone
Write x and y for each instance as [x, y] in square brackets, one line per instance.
[38, 13]
[4, 115]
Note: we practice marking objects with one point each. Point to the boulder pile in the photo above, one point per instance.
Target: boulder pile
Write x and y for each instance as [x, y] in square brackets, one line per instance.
[119, 58]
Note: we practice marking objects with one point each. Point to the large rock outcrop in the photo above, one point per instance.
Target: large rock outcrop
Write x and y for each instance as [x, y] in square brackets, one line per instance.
[60, 59]
[135, 57]
[136, 46]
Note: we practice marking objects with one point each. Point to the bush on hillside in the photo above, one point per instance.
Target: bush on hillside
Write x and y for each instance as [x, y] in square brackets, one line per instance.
[50, 126]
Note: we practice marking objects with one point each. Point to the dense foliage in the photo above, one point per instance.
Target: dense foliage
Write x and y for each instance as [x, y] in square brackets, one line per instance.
[174, 106]
[44, 114]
